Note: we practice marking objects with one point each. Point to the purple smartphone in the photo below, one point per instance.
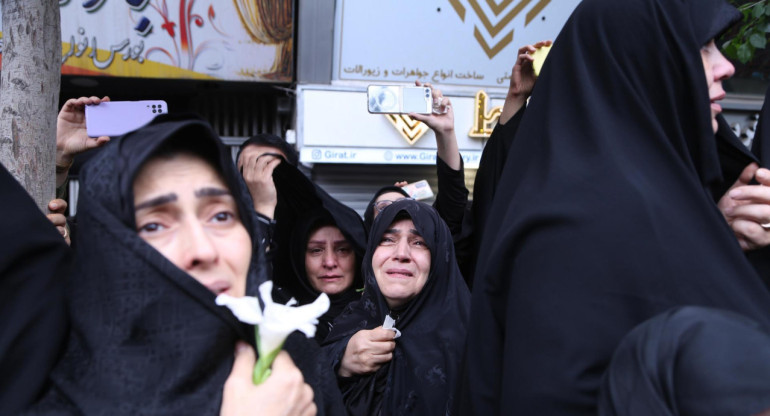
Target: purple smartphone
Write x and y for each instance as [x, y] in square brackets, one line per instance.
[115, 118]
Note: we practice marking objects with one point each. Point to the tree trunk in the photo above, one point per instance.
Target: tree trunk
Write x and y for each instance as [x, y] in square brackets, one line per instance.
[29, 94]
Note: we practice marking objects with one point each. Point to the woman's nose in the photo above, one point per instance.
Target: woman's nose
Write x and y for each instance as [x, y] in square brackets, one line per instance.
[402, 250]
[723, 68]
[199, 249]
[330, 259]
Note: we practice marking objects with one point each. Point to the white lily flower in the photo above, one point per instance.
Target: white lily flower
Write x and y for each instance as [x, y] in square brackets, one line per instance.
[245, 308]
[281, 320]
[275, 323]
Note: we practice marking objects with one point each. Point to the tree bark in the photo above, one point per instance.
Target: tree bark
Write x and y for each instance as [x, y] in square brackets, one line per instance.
[29, 94]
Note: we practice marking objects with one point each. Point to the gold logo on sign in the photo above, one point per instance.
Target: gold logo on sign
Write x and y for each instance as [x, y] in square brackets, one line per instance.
[411, 130]
[483, 120]
[493, 29]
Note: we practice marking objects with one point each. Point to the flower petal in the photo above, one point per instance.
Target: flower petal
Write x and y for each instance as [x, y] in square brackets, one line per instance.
[245, 308]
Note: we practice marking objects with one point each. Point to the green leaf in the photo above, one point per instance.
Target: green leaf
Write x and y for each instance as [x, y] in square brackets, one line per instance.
[758, 40]
[744, 53]
[730, 50]
[758, 10]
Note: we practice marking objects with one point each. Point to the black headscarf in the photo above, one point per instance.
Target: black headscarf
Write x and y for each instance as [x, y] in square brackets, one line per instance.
[299, 199]
[34, 263]
[271, 140]
[690, 361]
[424, 371]
[605, 219]
[369, 212]
[300, 287]
[146, 337]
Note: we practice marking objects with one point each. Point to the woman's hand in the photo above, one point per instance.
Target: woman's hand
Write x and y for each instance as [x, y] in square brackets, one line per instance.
[71, 136]
[283, 393]
[258, 175]
[367, 351]
[522, 81]
[747, 208]
[57, 208]
[443, 125]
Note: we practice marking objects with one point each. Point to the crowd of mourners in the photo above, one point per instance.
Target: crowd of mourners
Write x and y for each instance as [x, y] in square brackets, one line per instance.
[613, 260]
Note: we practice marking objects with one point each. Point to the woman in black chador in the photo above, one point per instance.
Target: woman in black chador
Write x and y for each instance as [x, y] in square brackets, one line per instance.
[165, 226]
[323, 260]
[605, 218]
[411, 276]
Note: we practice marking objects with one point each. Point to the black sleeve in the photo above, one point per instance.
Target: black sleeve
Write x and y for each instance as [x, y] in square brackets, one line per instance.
[34, 265]
[452, 195]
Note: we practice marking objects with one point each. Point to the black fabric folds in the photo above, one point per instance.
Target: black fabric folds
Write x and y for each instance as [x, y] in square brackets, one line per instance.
[369, 212]
[734, 156]
[301, 203]
[690, 361]
[34, 264]
[424, 372]
[146, 337]
[760, 147]
[487, 180]
[605, 218]
[299, 286]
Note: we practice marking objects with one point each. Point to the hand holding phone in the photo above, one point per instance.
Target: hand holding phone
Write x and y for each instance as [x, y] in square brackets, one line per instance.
[115, 118]
[419, 190]
[399, 99]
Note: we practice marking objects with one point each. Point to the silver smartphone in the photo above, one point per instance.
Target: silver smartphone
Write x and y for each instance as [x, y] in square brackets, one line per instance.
[399, 99]
[116, 118]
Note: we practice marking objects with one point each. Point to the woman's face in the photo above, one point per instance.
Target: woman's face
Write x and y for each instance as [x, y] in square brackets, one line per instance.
[389, 198]
[717, 68]
[401, 263]
[184, 209]
[330, 262]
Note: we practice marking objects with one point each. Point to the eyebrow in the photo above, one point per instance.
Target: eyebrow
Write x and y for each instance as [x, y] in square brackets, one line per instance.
[324, 242]
[154, 202]
[172, 197]
[398, 231]
[204, 192]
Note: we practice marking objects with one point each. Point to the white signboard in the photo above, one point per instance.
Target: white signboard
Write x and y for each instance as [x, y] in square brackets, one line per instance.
[451, 42]
[334, 126]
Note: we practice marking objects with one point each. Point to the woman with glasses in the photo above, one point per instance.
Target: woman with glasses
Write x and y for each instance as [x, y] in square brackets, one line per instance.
[382, 198]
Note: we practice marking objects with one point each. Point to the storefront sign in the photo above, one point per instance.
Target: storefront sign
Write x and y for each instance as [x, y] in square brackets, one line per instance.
[453, 42]
[239, 40]
[334, 126]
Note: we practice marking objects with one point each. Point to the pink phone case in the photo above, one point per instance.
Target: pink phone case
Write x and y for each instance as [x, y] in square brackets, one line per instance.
[115, 118]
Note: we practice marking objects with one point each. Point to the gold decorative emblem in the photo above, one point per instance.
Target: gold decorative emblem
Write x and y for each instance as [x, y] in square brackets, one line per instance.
[411, 130]
[502, 22]
[483, 120]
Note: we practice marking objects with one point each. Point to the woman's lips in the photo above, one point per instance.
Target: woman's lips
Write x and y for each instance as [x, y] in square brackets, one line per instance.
[330, 277]
[219, 287]
[399, 273]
